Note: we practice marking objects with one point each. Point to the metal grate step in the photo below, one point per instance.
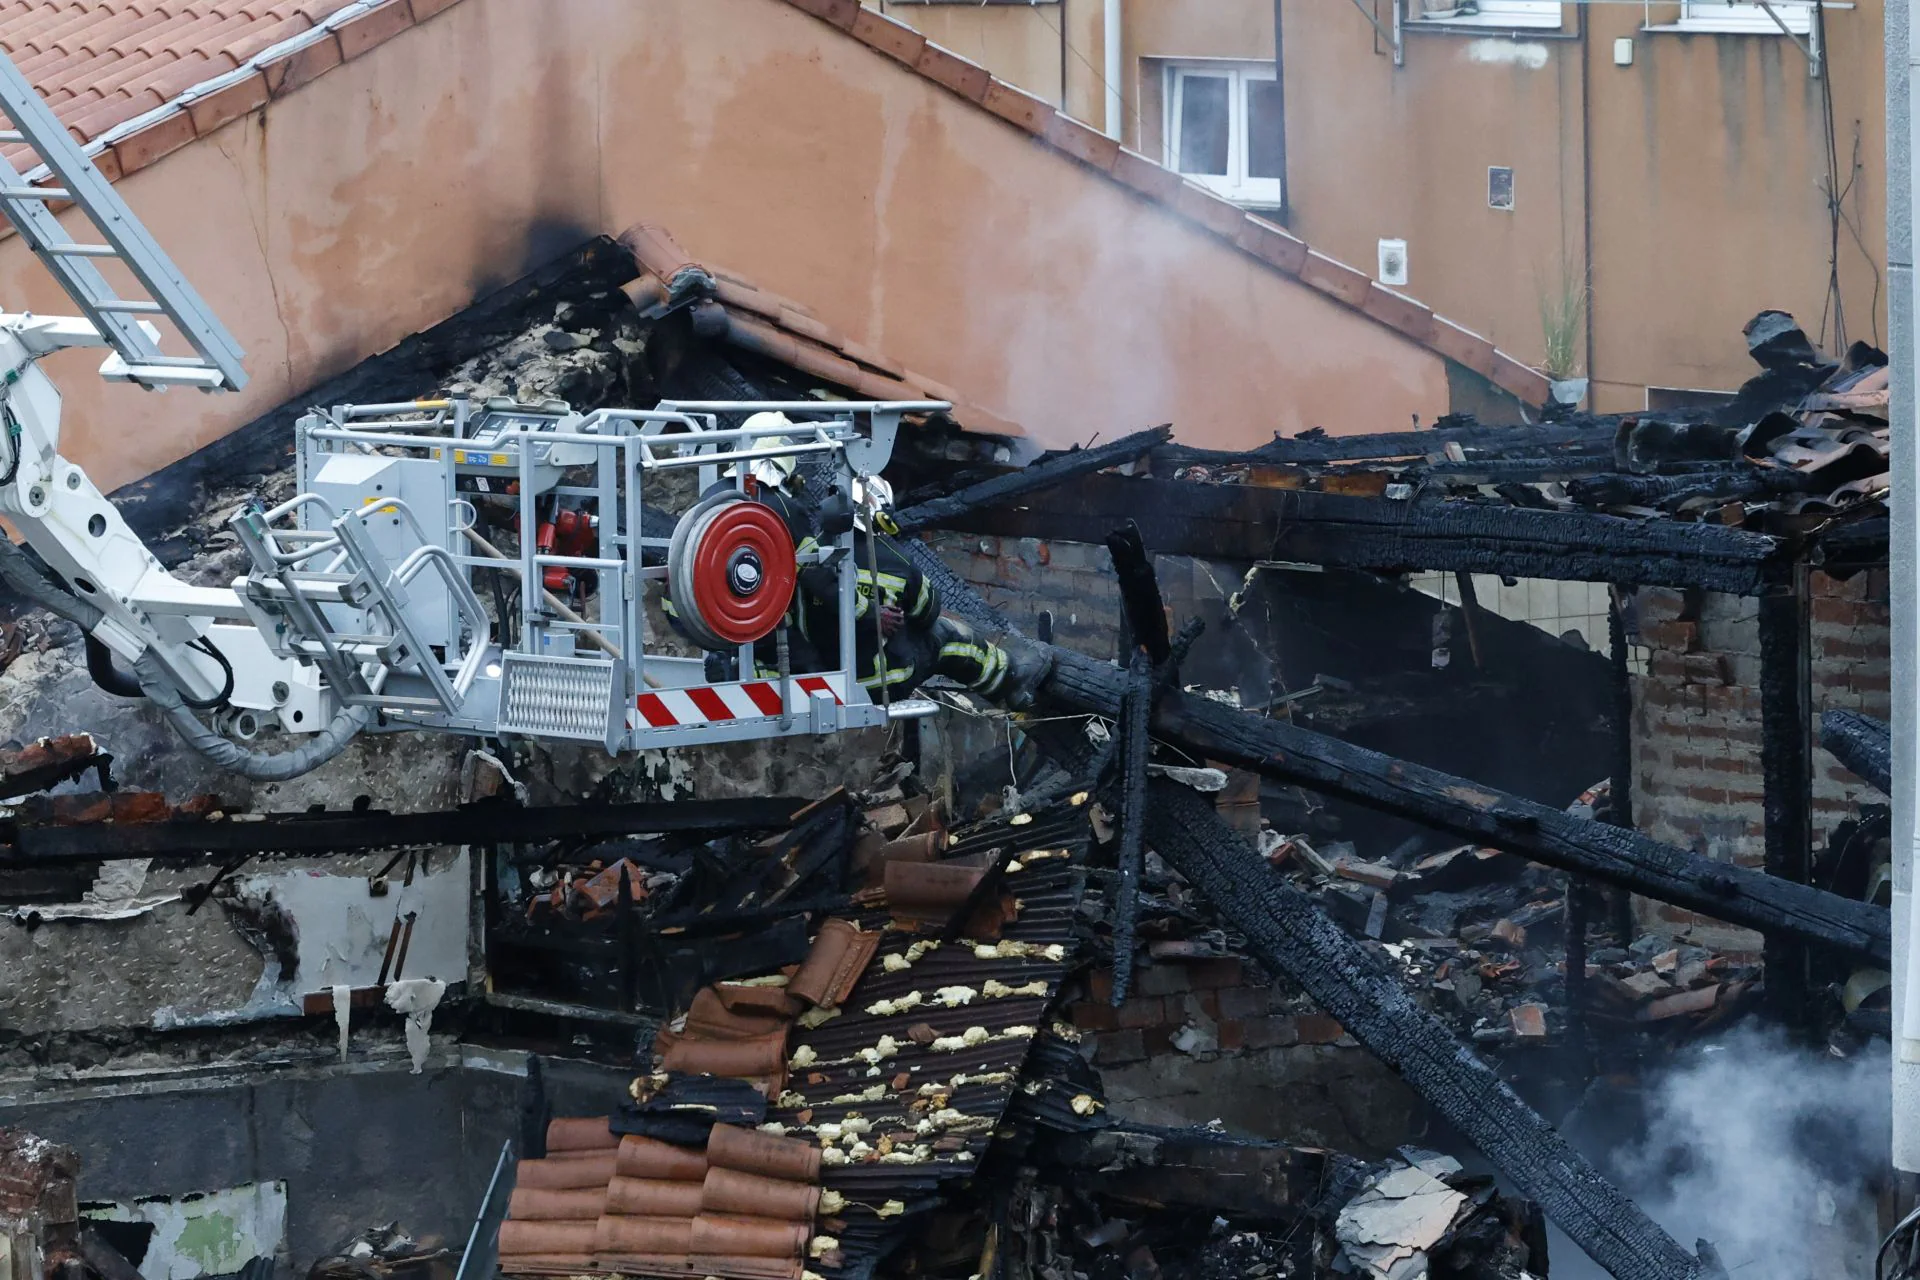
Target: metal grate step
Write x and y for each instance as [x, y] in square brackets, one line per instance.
[579, 698]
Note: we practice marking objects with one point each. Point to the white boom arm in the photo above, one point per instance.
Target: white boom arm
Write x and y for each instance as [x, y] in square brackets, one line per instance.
[361, 603]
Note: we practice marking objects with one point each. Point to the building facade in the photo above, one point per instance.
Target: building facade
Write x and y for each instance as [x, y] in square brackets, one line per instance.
[1605, 189]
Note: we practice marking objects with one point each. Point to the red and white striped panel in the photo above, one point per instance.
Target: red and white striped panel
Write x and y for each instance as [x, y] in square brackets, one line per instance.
[716, 703]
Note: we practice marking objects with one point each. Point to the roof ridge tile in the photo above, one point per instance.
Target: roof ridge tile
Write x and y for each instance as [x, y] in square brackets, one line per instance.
[1256, 237]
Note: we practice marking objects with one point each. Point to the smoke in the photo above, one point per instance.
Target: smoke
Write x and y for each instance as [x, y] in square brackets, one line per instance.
[1771, 1152]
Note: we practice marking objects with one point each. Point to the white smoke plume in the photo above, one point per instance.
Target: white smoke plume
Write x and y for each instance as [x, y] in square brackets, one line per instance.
[1770, 1151]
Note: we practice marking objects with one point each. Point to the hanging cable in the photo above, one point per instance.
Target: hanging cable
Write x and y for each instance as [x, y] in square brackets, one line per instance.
[1835, 306]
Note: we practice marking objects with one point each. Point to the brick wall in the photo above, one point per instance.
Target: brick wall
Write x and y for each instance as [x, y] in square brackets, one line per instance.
[1022, 576]
[1229, 1006]
[1697, 713]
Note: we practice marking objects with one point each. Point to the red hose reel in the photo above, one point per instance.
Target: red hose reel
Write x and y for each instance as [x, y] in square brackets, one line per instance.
[730, 571]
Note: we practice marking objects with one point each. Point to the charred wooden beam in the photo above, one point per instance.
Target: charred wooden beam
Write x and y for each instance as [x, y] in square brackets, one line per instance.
[1786, 767]
[1466, 809]
[956, 597]
[1861, 743]
[1486, 442]
[1206, 1171]
[26, 844]
[1140, 599]
[1249, 522]
[1044, 474]
[48, 762]
[1287, 931]
[1136, 713]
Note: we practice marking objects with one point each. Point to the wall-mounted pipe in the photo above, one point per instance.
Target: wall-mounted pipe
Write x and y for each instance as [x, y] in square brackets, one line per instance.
[1115, 72]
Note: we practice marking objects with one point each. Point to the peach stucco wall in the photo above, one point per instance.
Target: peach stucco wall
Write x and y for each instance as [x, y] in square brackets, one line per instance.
[1706, 158]
[393, 190]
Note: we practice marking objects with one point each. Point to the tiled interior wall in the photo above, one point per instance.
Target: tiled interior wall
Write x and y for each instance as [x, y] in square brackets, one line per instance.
[1554, 607]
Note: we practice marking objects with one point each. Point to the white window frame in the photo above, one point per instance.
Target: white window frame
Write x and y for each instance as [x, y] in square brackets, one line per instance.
[1506, 15]
[1743, 17]
[1264, 193]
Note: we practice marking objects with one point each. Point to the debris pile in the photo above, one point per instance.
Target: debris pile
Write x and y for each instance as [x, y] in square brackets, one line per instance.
[892, 1082]
[846, 1011]
[1803, 442]
[1483, 935]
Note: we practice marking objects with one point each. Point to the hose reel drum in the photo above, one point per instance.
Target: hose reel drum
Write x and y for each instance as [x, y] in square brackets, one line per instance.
[731, 571]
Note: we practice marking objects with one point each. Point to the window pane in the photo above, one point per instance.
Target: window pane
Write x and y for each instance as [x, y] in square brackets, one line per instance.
[1742, 15]
[1266, 146]
[1203, 125]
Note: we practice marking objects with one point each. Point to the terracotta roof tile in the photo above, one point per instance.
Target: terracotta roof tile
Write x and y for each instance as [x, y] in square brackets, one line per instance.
[895, 39]
[651, 1197]
[100, 63]
[736, 311]
[375, 27]
[580, 1133]
[591, 1169]
[651, 1158]
[1253, 236]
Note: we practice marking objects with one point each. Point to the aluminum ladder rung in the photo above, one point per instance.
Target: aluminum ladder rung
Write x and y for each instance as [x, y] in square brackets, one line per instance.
[217, 357]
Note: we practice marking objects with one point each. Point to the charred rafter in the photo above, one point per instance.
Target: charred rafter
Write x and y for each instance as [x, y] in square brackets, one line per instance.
[1248, 522]
[1466, 809]
[1044, 474]
[1288, 933]
[1861, 743]
[1594, 439]
[26, 843]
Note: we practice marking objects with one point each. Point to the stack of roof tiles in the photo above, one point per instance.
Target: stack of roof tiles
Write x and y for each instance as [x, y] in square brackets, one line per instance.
[744, 1207]
[558, 1201]
[887, 1059]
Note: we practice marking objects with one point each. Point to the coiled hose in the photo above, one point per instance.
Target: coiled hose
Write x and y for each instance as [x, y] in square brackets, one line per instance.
[25, 579]
[261, 766]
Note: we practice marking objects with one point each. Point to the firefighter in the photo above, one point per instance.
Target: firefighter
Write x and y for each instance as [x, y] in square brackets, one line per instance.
[912, 639]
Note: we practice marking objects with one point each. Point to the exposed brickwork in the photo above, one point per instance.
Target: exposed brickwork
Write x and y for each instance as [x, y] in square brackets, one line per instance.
[1697, 713]
[1022, 576]
[1225, 999]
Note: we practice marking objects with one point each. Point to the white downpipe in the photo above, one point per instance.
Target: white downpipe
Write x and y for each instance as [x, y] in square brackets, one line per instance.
[1115, 72]
[1903, 108]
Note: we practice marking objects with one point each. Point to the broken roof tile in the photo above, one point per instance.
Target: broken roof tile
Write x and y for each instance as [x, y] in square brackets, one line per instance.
[759, 1057]
[840, 953]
